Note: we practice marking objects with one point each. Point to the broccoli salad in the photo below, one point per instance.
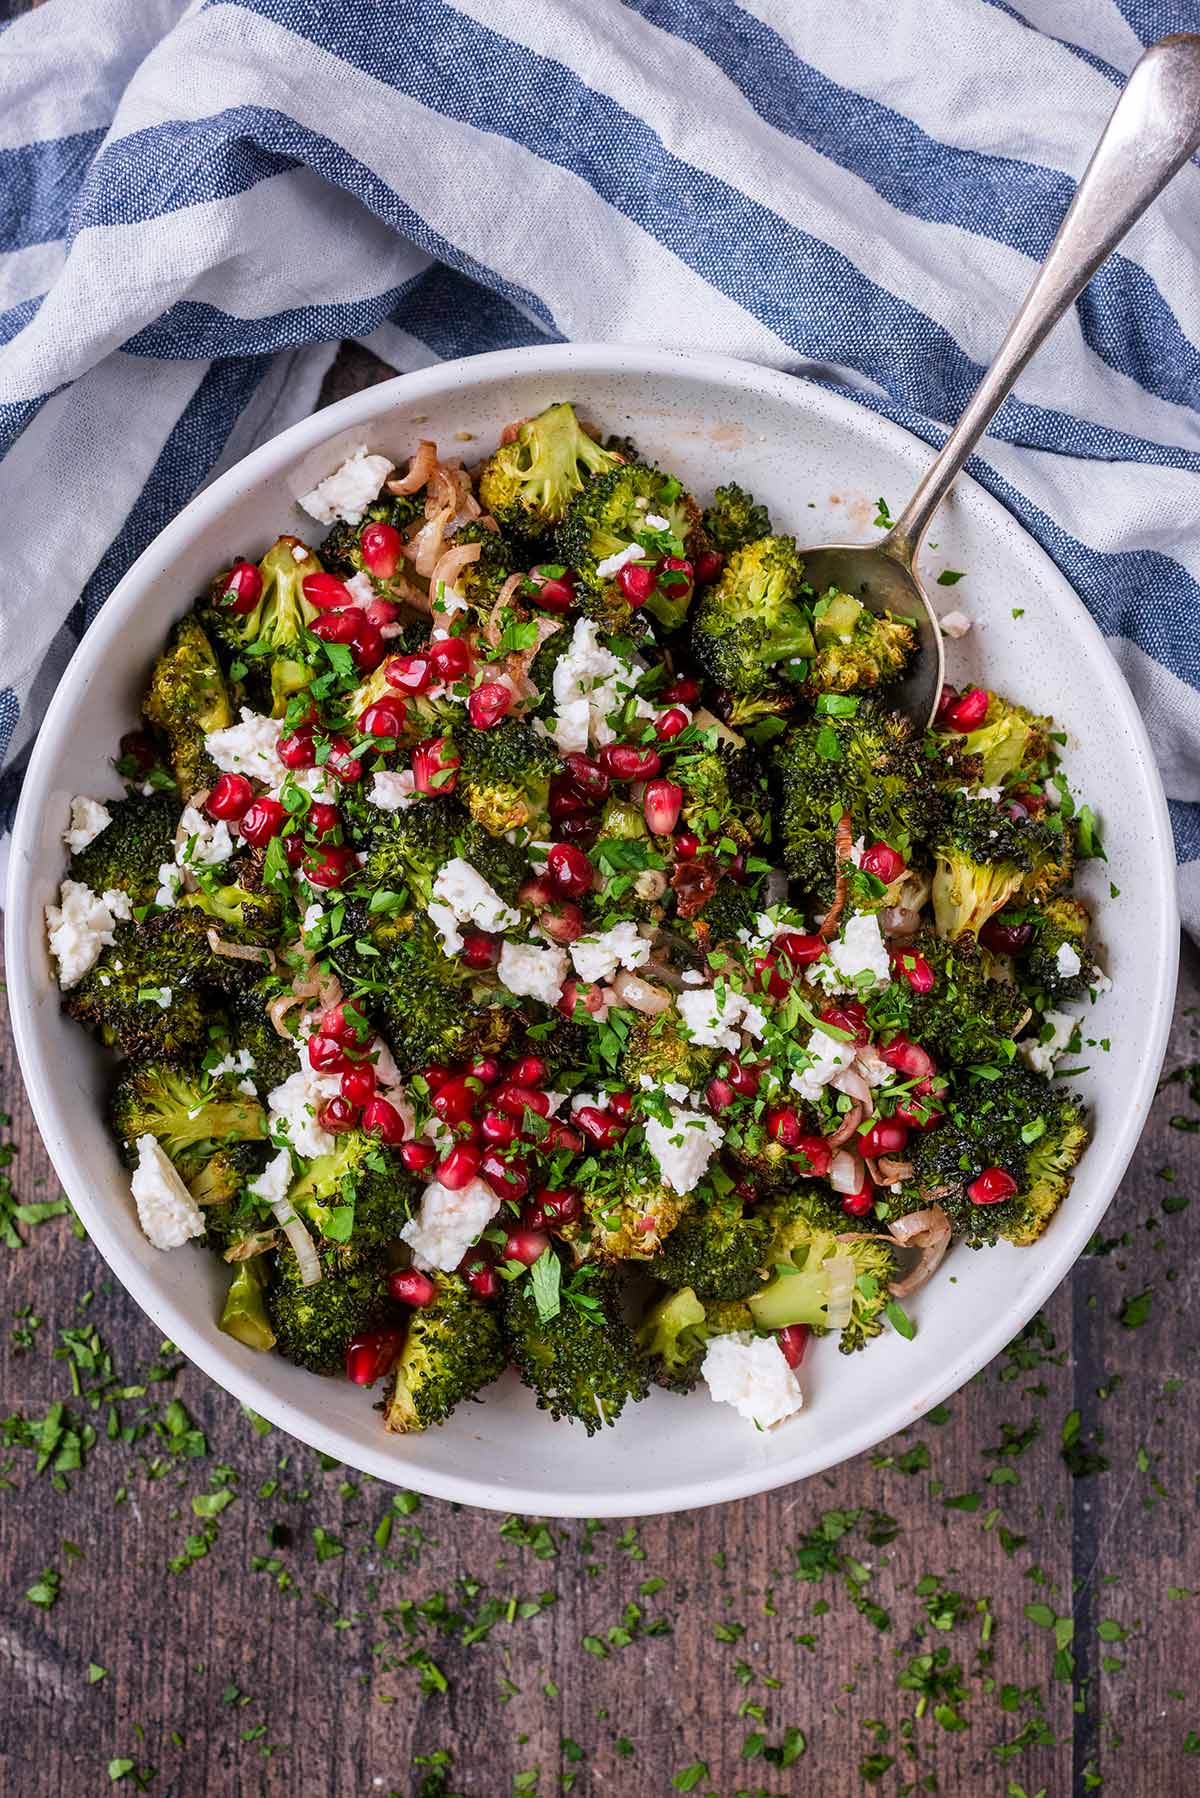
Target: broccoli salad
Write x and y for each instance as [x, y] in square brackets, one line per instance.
[530, 938]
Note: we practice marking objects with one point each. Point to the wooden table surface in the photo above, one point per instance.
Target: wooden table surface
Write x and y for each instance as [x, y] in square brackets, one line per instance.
[996, 1602]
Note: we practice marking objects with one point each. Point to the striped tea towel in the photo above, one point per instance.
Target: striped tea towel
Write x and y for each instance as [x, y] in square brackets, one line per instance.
[198, 200]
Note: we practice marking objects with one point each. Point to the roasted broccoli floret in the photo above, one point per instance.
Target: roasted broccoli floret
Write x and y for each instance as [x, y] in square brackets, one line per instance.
[734, 519]
[857, 649]
[658, 1048]
[235, 912]
[871, 765]
[583, 1363]
[430, 1007]
[825, 1280]
[245, 1315]
[220, 1182]
[753, 631]
[724, 794]
[528, 484]
[480, 581]
[129, 852]
[614, 511]
[1058, 962]
[185, 1109]
[341, 551]
[1018, 1125]
[732, 908]
[676, 1331]
[453, 1349]
[186, 700]
[1012, 744]
[358, 1193]
[505, 777]
[985, 857]
[966, 1015]
[630, 1209]
[413, 846]
[274, 1056]
[717, 1249]
[127, 1002]
[314, 1325]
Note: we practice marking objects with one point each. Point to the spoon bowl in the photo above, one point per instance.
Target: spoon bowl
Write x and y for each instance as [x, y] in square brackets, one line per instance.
[879, 575]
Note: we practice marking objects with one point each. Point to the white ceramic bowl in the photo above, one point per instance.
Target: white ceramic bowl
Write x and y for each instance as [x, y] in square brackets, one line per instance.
[819, 462]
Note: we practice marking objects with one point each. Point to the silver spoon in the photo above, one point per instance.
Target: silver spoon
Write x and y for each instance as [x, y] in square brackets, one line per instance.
[1154, 129]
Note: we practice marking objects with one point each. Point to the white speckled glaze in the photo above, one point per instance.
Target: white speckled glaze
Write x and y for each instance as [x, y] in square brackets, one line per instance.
[820, 462]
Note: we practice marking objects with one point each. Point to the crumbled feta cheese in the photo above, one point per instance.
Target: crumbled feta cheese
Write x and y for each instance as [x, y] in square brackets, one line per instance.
[598, 956]
[170, 879]
[349, 490]
[1042, 1056]
[313, 781]
[442, 917]
[462, 896]
[955, 624]
[447, 600]
[249, 748]
[292, 1109]
[448, 1223]
[827, 1057]
[299, 552]
[621, 558]
[589, 683]
[1067, 961]
[160, 995]
[692, 977]
[533, 973]
[204, 843]
[860, 951]
[167, 1212]
[88, 818]
[684, 1147]
[272, 1184]
[394, 790]
[241, 1062]
[1099, 982]
[361, 588]
[750, 1373]
[312, 917]
[80, 925]
[712, 1019]
[656, 523]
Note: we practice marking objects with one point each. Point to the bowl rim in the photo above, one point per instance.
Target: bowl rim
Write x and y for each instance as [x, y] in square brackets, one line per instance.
[204, 1348]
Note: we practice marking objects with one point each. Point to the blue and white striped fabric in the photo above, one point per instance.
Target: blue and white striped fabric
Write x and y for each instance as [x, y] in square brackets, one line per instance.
[197, 201]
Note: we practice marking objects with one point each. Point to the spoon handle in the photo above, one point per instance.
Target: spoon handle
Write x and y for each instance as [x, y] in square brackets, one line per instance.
[1154, 129]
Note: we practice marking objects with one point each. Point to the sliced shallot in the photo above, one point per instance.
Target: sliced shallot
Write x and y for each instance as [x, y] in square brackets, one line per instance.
[419, 469]
[928, 1231]
[630, 990]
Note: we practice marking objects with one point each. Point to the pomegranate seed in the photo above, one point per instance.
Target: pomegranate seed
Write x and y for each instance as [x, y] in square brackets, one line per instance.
[994, 1185]
[460, 1166]
[380, 612]
[554, 595]
[636, 582]
[563, 1139]
[230, 797]
[662, 803]
[908, 1057]
[383, 719]
[336, 627]
[451, 657]
[417, 1156]
[381, 1119]
[947, 700]
[534, 1218]
[293, 848]
[341, 762]
[770, 977]
[569, 871]
[243, 588]
[719, 1095]
[559, 1206]
[799, 949]
[858, 1204]
[343, 1029]
[515, 1100]
[435, 1075]
[793, 1340]
[298, 750]
[602, 1129]
[1004, 938]
[141, 747]
[330, 867]
[687, 846]
[562, 923]
[321, 820]
[969, 710]
[477, 1270]
[326, 1055]
[737, 870]
[675, 576]
[508, 1178]
[454, 1101]
[337, 1115]
[262, 821]
[588, 776]
[525, 1246]
[743, 1079]
[916, 1112]
[670, 723]
[479, 951]
[886, 1136]
[817, 1156]
[409, 674]
[624, 761]
[326, 592]
[489, 703]
[496, 1128]
[709, 564]
[620, 1104]
[369, 1357]
[411, 1286]
[784, 1126]
[580, 992]
[435, 765]
[367, 644]
[382, 547]
[914, 968]
[884, 862]
[683, 690]
[565, 798]
[530, 1070]
[849, 1016]
[486, 1070]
